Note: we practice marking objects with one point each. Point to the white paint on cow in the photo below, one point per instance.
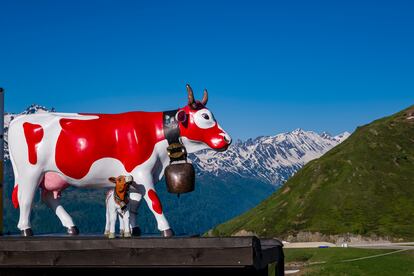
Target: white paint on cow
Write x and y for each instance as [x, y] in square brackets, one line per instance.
[192, 145]
[204, 119]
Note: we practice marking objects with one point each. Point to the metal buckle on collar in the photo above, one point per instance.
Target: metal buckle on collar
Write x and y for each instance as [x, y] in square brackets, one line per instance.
[176, 152]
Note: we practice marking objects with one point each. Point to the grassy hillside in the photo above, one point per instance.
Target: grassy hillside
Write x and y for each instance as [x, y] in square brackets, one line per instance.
[350, 261]
[363, 186]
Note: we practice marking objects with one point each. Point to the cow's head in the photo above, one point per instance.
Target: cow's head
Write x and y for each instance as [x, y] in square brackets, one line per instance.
[122, 184]
[198, 127]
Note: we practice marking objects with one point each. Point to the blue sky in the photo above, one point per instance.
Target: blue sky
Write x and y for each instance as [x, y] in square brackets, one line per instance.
[270, 66]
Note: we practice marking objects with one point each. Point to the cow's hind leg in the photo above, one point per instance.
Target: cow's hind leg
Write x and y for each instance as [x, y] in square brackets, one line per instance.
[66, 220]
[27, 186]
[121, 225]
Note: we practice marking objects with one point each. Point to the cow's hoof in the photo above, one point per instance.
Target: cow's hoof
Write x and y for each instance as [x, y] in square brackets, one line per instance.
[106, 233]
[111, 235]
[127, 235]
[136, 231]
[167, 233]
[121, 233]
[26, 232]
[73, 231]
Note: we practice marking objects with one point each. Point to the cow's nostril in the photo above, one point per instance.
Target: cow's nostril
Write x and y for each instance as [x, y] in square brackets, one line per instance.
[227, 139]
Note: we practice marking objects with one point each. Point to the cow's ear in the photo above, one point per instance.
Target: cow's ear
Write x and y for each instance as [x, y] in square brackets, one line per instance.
[181, 116]
[112, 179]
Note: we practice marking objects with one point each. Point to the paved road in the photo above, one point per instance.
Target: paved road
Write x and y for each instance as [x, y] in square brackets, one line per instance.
[408, 246]
[307, 244]
[405, 245]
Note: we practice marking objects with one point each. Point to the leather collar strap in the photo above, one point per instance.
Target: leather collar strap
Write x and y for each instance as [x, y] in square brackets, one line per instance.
[121, 202]
[171, 127]
[176, 150]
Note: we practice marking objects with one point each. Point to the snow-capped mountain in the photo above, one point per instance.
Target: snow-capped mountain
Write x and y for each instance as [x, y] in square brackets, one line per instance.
[8, 117]
[271, 159]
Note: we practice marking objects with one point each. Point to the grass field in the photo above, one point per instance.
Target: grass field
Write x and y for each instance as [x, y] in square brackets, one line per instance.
[333, 261]
[364, 186]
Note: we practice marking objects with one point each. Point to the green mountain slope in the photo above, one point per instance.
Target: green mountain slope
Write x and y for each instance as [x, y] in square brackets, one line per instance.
[364, 186]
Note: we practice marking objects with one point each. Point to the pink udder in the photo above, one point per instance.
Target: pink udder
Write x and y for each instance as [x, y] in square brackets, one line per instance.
[53, 183]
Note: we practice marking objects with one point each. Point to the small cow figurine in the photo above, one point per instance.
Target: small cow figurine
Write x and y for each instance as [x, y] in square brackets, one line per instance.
[117, 200]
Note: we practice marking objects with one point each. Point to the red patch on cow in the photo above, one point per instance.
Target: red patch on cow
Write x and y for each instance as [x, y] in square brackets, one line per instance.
[15, 199]
[156, 203]
[128, 137]
[34, 135]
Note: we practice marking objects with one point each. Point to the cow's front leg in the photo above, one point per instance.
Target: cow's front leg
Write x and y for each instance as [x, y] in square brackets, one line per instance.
[107, 223]
[154, 204]
[134, 202]
[112, 218]
[125, 222]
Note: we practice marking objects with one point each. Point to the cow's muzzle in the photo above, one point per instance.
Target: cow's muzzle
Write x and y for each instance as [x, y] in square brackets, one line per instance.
[227, 139]
[227, 142]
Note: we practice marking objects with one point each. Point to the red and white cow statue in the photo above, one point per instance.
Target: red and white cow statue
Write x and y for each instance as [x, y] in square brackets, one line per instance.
[54, 150]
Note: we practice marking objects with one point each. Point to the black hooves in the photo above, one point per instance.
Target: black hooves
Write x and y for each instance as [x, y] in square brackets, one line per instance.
[73, 231]
[167, 233]
[136, 231]
[26, 232]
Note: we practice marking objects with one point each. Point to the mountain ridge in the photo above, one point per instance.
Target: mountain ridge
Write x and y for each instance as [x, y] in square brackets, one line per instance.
[272, 159]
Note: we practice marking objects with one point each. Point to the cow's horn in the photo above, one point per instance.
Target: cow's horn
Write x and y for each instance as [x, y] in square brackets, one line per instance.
[190, 95]
[205, 97]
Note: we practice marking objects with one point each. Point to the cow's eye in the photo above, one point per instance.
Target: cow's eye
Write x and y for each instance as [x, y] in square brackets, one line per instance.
[204, 119]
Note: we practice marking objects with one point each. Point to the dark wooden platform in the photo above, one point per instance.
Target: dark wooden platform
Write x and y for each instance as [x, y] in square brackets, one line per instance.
[155, 256]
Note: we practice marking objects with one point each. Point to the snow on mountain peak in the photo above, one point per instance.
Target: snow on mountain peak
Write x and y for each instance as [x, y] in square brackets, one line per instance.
[297, 131]
[35, 108]
[341, 137]
[326, 135]
[272, 159]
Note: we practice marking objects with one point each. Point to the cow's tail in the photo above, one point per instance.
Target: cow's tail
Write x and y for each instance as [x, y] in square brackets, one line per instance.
[15, 199]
